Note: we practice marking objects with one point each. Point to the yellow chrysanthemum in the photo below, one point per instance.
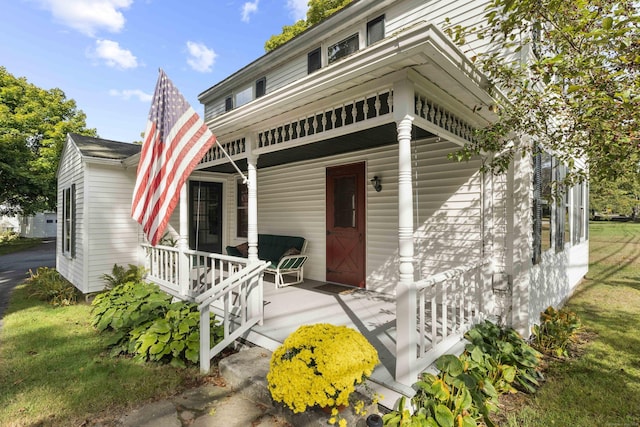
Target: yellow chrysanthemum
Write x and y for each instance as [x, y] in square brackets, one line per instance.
[320, 365]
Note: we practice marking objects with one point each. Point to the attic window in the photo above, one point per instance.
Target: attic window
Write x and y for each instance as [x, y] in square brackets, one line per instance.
[375, 30]
[261, 87]
[228, 103]
[244, 96]
[343, 48]
[314, 61]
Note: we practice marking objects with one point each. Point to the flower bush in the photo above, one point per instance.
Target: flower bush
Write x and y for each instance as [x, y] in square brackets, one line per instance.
[320, 365]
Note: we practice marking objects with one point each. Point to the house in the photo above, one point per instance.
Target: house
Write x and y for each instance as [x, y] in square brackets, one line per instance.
[95, 229]
[343, 134]
[39, 225]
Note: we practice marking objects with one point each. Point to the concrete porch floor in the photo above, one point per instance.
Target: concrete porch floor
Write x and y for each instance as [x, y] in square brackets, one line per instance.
[371, 313]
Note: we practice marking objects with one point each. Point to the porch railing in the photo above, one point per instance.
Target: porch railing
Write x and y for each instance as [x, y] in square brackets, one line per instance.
[231, 286]
[240, 312]
[204, 269]
[449, 304]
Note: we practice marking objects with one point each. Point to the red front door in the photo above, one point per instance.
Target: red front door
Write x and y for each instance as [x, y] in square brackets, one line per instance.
[346, 224]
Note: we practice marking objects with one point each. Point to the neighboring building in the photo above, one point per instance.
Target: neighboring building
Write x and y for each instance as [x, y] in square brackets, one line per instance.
[345, 132]
[95, 229]
[42, 224]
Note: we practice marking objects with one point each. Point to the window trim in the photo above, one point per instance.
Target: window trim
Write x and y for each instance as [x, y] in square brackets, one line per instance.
[347, 40]
[370, 25]
[69, 221]
[317, 51]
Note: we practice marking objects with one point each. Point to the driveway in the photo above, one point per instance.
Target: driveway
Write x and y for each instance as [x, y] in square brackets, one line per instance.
[14, 268]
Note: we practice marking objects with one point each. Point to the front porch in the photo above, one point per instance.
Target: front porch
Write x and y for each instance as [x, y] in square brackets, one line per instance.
[252, 308]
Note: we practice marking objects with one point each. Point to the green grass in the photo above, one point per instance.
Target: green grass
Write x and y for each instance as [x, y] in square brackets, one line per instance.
[19, 244]
[602, 386]
[54, 369]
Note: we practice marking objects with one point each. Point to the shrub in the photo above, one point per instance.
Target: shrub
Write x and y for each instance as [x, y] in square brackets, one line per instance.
[147, 325]
[174, 338]
[120, 276]
[48, 285]
[125, 307]
[556, 331]
[8, 236]
[320, 365]
[464, 393]
[507, 347]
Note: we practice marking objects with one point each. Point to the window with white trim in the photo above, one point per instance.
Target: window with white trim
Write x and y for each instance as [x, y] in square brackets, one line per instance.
[343, 48]
[375, 30]
[242, 209]
[69, 221]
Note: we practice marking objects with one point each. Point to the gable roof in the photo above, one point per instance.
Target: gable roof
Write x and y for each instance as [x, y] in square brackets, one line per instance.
[104, 148]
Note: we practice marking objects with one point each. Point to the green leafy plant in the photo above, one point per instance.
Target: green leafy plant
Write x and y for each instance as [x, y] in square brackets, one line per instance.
[320, 365]
[556, 331]
[119, 275]
[507, 347]
[8, 236]
[125, 307]
[48, 285]
[174, 338]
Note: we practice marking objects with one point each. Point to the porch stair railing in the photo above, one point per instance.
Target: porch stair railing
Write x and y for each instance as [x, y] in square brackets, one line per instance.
[449, 304]
[237, 286]
[232, 286]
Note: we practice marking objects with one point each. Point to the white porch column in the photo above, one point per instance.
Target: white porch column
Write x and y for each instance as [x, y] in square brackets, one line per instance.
[252, 208]
[254, 296]
[406, 306]
[183, 242]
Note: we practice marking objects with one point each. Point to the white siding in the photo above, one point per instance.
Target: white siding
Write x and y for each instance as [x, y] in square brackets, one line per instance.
[71, 171]
[448, 205]
[113, 233]
[291, 201]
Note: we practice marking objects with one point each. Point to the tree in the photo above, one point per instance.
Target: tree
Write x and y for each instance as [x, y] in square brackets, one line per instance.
[577, 93]
[621, 196]
[33, 126]
[318, 11]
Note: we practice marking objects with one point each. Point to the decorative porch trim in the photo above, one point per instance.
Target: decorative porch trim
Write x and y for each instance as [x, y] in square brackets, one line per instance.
[233, 148]
[342, 115]
[438, 115]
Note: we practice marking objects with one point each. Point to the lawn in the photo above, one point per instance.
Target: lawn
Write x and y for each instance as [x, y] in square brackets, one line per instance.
[54, 369]
[601, 387]
[18, 245]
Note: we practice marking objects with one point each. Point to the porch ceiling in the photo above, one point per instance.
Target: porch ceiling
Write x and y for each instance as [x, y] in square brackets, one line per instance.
[368, 138]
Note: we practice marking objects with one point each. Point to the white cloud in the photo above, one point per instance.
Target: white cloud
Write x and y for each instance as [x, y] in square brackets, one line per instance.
[201, 58]
[127, 94]
[88, 16]
[114, 55]
[298, 9]
[248, 8]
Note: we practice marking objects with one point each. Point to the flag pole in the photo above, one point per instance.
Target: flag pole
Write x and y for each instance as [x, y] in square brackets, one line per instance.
[244, 178]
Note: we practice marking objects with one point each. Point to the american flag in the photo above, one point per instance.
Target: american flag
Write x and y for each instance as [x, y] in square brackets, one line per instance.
[176, 139]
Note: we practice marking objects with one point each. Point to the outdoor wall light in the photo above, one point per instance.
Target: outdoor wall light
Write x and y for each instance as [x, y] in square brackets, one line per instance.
[377, 183]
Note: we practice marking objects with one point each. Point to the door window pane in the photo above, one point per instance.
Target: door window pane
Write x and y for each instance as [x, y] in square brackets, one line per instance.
[344, 192]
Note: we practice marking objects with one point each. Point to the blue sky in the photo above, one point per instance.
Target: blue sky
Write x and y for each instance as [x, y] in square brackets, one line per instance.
[105, 54]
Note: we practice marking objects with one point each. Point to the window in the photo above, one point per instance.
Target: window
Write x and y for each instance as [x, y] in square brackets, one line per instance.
[375, 30]
[244, 96]
[261, 87]
[69, 221]
[541, 204]
[314, 61]
[242, 220]
[343, 48]
[228, 103]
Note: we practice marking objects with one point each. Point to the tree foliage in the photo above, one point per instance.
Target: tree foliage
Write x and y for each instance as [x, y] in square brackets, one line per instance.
[318, 11]
[621, 196]
[34, 123]
[572, 84]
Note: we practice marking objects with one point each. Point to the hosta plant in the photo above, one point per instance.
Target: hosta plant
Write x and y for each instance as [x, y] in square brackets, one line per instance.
[174, 338]
[555, 332]
[320, 365]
